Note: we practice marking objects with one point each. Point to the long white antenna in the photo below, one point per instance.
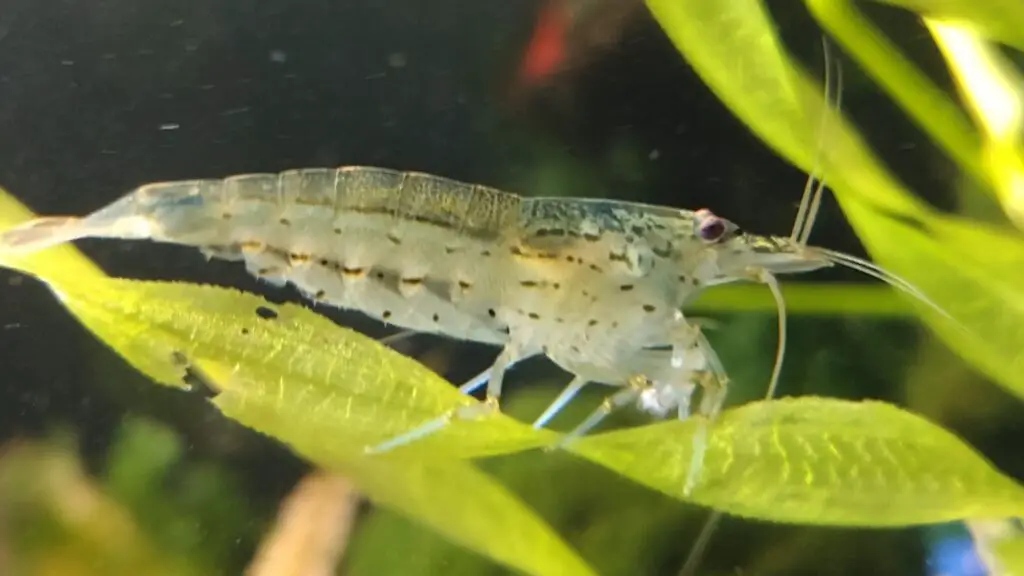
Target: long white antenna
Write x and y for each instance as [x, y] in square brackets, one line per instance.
[815, 207]
[810, 201]
[810, 204]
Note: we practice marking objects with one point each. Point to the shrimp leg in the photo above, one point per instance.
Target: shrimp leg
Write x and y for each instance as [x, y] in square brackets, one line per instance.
[578, 383]
[666, 379]
[567, 394]
[474, 383]
[624, 397]
[554, 408]
[508, 357]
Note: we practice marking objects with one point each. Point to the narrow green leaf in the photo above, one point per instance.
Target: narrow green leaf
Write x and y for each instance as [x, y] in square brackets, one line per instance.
[974, 272]
[749, 80]
[328, 392]
[818, 461]
[1009, 556]
[993, 90]
[726, 43]
[453, 497]
[883, 451]
[56, 263]
[933, 111]
[999, 545]
[999, 20]
[325, 391]
[899, 231]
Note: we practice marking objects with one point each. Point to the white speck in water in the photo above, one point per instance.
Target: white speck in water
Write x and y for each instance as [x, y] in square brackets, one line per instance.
[278, 56]
[67, 62]
[170, 126]
[654, 155]
[397, 60]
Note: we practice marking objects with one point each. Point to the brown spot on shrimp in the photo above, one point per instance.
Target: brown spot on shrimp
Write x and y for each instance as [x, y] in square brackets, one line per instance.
[298, 257]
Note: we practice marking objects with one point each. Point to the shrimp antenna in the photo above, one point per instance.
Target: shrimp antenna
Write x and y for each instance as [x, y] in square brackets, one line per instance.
[810, 204]
[815, 207]
[879, 273]
[810, 201]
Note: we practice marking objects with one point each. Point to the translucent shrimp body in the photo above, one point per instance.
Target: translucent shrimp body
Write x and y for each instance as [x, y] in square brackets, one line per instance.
[595, 285]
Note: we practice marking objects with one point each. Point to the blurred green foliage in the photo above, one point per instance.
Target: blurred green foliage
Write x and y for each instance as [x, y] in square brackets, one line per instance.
[150, 512]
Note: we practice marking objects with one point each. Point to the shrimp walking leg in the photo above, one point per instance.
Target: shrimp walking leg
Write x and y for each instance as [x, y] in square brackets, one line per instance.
[665, 380]
[622, 398]
[713, 386]
[474, 383]
[508, 356]
[714, 383]
[567, 394]
[397, 337]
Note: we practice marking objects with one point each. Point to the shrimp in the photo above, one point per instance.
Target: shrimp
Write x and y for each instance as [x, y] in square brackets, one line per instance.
[594, 285]
[589, 283]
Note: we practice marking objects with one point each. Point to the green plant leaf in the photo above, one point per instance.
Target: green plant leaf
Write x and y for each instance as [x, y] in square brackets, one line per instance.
[1009, 556]
[321, 389]
[748, 81]
[815, 460]
[974, 272]
[328, 392]
[1000, 20]
[999, 545]
[993, 90]
[930, 107]
[898, 230]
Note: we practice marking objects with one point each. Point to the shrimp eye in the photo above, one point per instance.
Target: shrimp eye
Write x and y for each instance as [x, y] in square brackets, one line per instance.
[711, 228]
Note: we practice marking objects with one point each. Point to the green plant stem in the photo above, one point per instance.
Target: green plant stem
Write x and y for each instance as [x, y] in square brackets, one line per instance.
[826, 299]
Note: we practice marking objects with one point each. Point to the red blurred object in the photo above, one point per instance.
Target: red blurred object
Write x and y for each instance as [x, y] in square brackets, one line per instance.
[546, 50]
[570, 33]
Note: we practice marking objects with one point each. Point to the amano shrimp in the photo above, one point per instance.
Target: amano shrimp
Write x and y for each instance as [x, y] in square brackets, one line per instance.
[595, 285]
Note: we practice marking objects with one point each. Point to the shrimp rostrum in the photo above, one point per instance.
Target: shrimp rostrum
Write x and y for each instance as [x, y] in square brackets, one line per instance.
[597, 286]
